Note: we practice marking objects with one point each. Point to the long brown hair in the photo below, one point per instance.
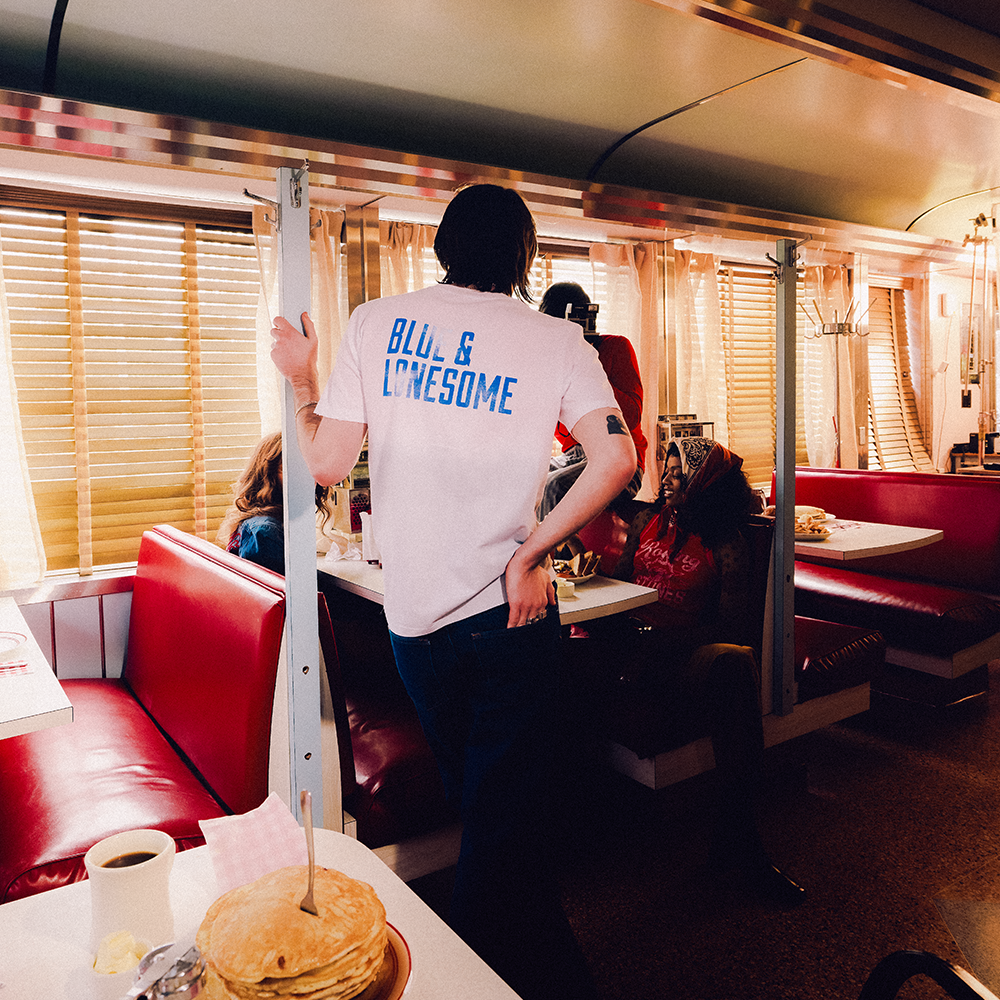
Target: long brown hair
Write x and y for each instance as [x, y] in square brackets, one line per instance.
[486, 240]
[258, 491]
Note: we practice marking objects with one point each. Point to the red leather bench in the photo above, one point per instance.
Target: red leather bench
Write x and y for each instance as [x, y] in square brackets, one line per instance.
[934, 604]
[389, 778]
[183, 735]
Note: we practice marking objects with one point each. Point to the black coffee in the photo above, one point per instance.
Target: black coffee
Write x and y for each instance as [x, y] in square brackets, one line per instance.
[132, 858]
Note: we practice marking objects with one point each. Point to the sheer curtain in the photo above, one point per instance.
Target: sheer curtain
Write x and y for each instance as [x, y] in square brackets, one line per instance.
[403, 246]
[328, 304]
[828, 400]
[22, 554]
[633, 302]
[701, 359]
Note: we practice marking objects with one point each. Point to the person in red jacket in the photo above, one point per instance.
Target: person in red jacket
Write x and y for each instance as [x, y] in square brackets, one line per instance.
[568, 300]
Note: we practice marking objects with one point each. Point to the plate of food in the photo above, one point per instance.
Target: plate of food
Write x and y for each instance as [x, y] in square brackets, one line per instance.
[256, 937]
[577, 568]
[811, 524]
[394, 973]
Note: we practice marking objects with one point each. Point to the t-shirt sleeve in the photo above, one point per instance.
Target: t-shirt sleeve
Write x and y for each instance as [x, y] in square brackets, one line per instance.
[618, 358]
[342, 397]
[587, 388]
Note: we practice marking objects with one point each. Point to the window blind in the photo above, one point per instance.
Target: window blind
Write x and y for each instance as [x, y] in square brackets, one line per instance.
[134, 358]
[749, 319]
[894, 428]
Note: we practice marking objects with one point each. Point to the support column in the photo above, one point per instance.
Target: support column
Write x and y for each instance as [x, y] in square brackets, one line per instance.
[301, 617]
[783, 645]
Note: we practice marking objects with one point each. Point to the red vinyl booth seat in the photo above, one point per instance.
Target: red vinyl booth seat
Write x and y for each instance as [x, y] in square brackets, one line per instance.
[933, 604]
[909, 613]
[183, 736]
[966, 508]
[390, 779]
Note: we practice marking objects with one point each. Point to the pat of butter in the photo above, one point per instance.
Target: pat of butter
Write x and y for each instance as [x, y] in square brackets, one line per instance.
[118, 952]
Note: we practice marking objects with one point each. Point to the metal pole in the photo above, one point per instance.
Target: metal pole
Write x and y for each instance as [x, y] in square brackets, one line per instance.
[301, 617]
[783, 645]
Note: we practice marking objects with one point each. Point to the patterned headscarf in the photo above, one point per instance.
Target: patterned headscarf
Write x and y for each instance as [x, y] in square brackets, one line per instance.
[703, 461]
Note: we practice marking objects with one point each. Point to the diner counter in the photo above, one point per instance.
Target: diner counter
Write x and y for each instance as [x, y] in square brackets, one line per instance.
[594, 598]
[45, 937]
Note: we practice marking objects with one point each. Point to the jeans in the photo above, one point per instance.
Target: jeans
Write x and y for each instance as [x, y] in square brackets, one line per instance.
[487, 700]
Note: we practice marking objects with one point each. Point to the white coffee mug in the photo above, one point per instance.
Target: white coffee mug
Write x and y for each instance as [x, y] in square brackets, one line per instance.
[134, 893]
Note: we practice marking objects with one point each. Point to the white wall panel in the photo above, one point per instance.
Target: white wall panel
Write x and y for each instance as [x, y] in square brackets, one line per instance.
[39, 620]
[116, 612]
[78, 638]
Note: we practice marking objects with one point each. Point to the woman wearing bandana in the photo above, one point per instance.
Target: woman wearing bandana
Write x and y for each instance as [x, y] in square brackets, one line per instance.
[691, 668]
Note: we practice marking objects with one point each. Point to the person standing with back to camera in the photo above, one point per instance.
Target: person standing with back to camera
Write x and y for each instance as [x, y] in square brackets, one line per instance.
[617, 356]
[458, 387]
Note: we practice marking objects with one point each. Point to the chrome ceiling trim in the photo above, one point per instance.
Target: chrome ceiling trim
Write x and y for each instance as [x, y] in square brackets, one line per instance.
[705, 218]
[71, 128]
[900, 43]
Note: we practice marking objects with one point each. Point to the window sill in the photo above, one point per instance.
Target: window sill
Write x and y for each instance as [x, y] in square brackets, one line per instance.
[65, 587]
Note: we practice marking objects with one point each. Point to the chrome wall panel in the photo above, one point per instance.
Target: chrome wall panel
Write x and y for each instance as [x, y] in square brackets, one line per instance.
[359, 175]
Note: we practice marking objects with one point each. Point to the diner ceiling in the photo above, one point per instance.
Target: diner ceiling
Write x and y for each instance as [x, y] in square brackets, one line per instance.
[884, 113]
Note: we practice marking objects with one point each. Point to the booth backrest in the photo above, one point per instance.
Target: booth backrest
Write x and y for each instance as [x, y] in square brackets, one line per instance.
[966, 508]
[205, 634]
[606, 535]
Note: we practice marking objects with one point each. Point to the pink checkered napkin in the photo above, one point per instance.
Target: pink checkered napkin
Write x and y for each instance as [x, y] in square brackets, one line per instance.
[8, 668]
[243, 848]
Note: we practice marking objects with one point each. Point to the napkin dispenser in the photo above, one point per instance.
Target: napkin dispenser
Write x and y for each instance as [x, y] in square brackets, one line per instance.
[369, 547]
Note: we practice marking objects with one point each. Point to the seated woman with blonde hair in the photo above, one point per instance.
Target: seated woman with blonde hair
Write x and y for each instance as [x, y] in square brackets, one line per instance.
[254, 525]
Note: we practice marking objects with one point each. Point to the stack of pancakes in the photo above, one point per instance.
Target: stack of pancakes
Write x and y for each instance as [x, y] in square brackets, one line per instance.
[258, 943]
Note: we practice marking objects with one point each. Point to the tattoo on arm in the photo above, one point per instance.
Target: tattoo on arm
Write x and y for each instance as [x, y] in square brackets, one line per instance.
[615, 426]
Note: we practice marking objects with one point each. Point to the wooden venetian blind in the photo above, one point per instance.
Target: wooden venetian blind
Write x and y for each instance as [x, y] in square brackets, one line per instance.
[747, 299]
[896, 439]
[135, 363]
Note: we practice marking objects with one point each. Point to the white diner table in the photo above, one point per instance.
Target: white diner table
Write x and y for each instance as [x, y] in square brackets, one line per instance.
[595, 598]
[31, 698]
[45, 949]
[861, 539]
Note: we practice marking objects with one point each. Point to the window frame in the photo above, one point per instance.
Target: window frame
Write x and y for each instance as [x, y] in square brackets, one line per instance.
[73, 365]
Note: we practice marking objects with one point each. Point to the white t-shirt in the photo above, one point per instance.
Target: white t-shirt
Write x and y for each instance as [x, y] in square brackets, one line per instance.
[461, 391]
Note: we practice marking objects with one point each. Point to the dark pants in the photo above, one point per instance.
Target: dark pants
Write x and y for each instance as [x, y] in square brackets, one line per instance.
[487, 697]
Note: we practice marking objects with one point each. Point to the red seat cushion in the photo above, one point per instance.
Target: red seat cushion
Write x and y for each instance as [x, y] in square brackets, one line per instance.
[831, 657]
[909, 613]
[65, 788]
